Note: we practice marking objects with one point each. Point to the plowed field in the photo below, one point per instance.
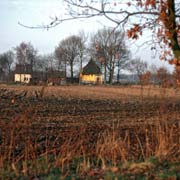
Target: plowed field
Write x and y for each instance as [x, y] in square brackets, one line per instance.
[48, 118]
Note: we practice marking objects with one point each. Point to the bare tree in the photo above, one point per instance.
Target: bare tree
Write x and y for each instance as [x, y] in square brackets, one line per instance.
[164, 77]
[161, 17]
[26, 53]
[60, 56]
[69, 52]
[138, 67]
[153, 69]
[145, 78]
[111, 51]
[6, 61]
[45, 62]
[51, 62]
[41, 64]
[82, 48]
[3, 66]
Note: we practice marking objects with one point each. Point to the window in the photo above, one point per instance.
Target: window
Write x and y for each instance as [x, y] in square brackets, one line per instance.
[26, 78]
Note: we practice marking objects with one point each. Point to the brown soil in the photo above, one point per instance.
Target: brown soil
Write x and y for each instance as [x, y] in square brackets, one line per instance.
[81, 112]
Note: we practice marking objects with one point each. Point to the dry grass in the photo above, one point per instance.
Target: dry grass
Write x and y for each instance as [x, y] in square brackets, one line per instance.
[99, 92]
[86, 128]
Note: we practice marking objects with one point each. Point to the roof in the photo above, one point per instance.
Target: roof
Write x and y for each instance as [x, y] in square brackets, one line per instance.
[91, 68]
[23, 69]
[56, 74]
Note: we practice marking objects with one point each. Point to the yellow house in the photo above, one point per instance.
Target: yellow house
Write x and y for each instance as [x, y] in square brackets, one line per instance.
[91, 74]
[23, 73]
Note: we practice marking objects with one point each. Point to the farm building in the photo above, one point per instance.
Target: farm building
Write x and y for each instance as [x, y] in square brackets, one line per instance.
[56, 77]
[23, 73]
[39, 78]
[91, 73]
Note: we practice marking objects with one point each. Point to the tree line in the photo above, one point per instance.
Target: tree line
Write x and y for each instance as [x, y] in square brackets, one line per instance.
[107, 47]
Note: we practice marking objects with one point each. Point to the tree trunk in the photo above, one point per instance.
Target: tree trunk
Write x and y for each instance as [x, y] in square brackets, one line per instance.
[72, 75]
[9, 72]
[171, 26]
[110, 70]
[111, 73]
[105, 72]
[80, 70]
[65, 69]
[118, 74]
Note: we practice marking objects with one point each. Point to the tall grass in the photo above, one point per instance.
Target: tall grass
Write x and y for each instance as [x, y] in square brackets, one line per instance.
[26, 155]
[27, 150]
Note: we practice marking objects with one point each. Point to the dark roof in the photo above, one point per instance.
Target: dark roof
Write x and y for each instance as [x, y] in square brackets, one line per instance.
[56, 74]
[23, 69]
[91, 68]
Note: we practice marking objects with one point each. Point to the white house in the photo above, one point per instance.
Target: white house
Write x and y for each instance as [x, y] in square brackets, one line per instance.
[23, 73]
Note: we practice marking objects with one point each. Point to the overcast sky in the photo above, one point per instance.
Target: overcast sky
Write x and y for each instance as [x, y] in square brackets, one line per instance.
[37, 12]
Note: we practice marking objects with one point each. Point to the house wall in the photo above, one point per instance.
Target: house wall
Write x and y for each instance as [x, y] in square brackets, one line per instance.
[24, 78]
[92, 78]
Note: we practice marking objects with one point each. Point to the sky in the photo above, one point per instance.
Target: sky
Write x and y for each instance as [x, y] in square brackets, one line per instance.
[38, 12]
